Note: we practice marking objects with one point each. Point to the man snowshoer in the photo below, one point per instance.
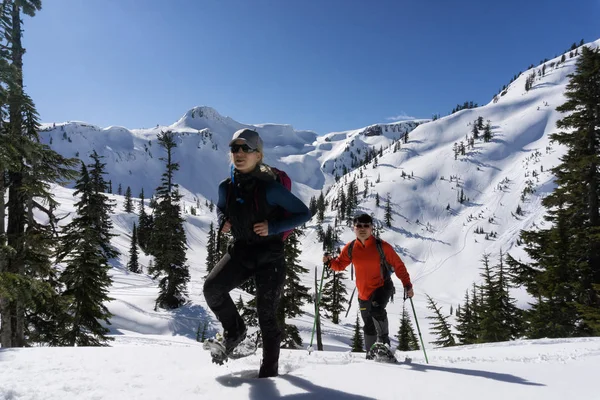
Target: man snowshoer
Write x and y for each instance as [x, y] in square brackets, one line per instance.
[257, 210]
[373, 281]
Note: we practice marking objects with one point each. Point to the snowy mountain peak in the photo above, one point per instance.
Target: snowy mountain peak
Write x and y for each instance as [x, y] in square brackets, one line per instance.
[201, 117]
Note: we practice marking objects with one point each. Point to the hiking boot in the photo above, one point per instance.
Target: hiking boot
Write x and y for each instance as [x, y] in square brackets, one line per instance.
[268, 370]
[231, 341]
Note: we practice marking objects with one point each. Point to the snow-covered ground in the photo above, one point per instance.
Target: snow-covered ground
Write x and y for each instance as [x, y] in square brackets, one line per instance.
[174, 368]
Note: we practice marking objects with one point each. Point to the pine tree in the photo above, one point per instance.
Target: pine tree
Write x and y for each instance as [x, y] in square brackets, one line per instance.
[133, 265]
[28, 285]
[211, 249]
[479, 123]
[388, 212]
[330, 240]
[341, 206]
[509, 313]
[566, 257]
[407, 339]
[357, 339]
[467, 331]
[475, 132]
[249, 313]
[334, 295]
[312, 205]
[487, 133]
[321, 208]
[294, 295]
[351, 201]
[440, 327]
[128, 202]
[168, 245]
[119, 190]
[239, 304]
[86, 249]
[491, 327]
[145, 226]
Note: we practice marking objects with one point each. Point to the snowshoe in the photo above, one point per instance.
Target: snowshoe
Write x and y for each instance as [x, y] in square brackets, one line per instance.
[246, 346]
[381, 352]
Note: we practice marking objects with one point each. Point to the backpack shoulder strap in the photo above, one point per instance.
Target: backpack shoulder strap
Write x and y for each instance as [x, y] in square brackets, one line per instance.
[350, 248]
[229, 182]
[386, 268]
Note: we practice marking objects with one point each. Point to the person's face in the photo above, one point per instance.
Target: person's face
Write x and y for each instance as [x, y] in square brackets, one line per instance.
[363, 230]
[243, 157]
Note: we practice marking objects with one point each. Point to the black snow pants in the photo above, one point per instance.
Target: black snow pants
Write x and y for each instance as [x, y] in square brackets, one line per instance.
[264, 262]
[374, 315]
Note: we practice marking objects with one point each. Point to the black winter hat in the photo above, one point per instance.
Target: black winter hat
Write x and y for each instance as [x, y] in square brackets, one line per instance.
[363, 218]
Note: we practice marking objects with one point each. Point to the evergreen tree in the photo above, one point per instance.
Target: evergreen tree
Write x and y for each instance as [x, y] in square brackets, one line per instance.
[566, 257]
[479, 123]
[341, 206]
[312, 205]
[239, 304]
[169, 242]
[330, 240]
[509, 313]
[358, 343]
[334, 295]
[487, 132]
[466, 325]
[86, 249]
[376, 199]
[294, 295]
[321, 208]
[133, 265]
[475, 132]
[249, 313]
[128, 202]
[351, 201]
[491, 328]
[440, 327]
[211, 249]
[388, 212]
[145, 225]
[28, 284]
[407, 339]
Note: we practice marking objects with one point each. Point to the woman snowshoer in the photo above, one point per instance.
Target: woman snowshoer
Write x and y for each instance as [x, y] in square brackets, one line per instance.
[257, 210]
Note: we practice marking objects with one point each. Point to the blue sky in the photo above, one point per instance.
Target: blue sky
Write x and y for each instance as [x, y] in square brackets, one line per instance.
[322, 65]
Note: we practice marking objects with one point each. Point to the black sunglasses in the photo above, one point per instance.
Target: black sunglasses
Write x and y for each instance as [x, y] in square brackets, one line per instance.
[234, 148]
[360, 226]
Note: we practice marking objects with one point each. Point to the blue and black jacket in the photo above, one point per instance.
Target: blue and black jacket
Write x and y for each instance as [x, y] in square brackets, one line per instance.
[246, 199]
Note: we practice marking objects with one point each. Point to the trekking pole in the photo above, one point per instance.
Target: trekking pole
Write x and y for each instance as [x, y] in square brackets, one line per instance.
[418, 329]
[317, 301]
[350, 302]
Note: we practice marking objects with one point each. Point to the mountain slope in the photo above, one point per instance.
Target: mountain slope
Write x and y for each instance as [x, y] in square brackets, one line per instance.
[432, 231]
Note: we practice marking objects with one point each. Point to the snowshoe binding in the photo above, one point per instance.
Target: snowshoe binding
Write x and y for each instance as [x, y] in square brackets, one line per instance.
[381, 352]
[222, 350]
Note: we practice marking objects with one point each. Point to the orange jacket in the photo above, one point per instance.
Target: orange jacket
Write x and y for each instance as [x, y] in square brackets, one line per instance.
[366, 261]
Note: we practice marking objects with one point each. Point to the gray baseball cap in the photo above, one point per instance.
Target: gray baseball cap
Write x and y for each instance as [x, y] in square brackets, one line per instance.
[249, 137]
